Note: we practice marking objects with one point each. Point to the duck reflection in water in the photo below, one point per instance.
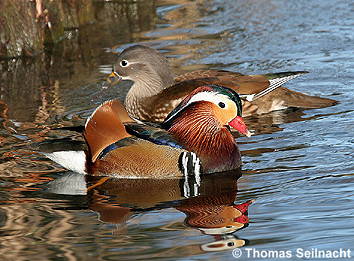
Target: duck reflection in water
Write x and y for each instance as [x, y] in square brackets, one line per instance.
[209, 204]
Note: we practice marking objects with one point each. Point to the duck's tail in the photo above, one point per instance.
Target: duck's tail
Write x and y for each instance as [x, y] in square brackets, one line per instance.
[68, 153]
[301, 100]
[70, 159]
[104, 127]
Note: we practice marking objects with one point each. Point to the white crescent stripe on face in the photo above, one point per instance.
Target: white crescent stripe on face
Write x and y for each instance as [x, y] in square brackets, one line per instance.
[205, 96]
[127, 77]
[209, 97]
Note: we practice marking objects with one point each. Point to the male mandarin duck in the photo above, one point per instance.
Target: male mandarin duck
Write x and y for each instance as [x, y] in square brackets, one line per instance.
[155, 92]
[194, 138]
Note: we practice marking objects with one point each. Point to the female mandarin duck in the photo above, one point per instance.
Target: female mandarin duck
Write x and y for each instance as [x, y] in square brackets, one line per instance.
[155, 91]
[194, 137]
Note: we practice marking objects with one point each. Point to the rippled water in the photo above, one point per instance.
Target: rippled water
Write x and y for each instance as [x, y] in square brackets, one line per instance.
[298, 168]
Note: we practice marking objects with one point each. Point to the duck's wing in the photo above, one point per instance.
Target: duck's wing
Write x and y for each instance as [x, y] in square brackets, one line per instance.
[153, 134]
[250, 87]
[149, 153]
[133, 157]
[205, 74]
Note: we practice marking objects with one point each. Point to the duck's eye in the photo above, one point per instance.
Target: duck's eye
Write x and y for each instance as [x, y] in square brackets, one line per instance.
[230, 244]
[222, 105]
[124, 63]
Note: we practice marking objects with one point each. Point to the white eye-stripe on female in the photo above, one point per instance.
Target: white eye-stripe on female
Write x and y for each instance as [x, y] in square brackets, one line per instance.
[126, 63]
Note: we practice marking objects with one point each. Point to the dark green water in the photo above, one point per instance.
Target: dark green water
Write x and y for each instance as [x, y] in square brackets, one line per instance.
[298, 167]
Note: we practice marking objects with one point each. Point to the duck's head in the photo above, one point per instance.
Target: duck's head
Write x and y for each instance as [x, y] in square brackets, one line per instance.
[216, 106]
[144, 66]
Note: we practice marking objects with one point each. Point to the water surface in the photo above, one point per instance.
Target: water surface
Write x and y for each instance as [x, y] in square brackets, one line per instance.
[298, 167]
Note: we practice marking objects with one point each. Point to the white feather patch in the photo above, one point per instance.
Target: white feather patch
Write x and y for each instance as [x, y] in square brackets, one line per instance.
[274, 84]
[205, 96]
[196, 164]
[71, 160]
[186, 189]
[208, 96]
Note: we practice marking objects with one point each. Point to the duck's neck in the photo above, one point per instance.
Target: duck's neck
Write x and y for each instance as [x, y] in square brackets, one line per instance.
[200, 132]
[143, 88]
